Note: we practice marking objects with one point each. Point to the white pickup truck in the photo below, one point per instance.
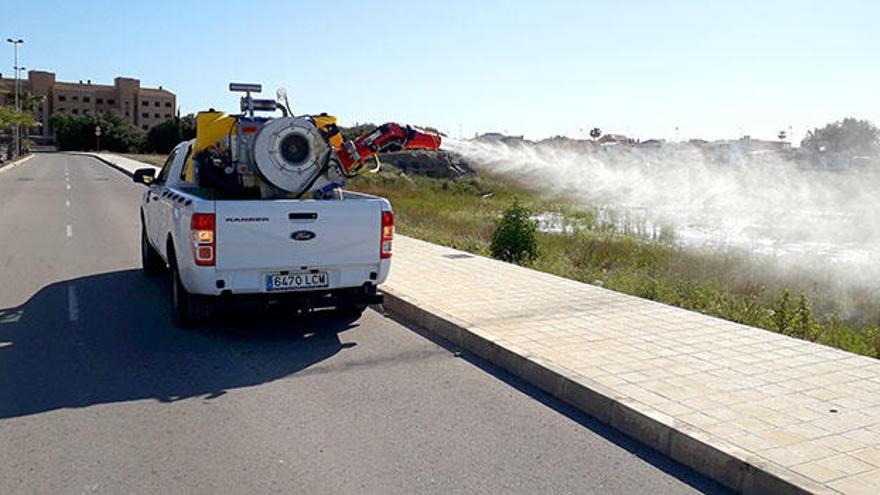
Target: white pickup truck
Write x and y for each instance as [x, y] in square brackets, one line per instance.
[303, 252]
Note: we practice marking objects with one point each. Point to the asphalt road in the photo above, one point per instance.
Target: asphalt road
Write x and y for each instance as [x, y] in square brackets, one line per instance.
[100, 394]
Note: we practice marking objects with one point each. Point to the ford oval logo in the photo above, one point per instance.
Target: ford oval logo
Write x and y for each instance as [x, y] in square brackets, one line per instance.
[302, 235]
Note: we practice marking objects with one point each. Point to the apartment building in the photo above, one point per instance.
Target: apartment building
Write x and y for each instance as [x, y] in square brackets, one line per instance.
[143, 107]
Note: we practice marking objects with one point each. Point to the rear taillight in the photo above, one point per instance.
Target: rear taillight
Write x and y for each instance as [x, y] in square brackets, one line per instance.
[203, 239]
[387, 234]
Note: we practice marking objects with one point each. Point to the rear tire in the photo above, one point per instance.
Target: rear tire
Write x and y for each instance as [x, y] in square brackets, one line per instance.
[150, 260]
[183, 307]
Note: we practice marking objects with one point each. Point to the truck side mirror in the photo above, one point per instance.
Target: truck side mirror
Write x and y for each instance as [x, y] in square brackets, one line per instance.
[144, 176]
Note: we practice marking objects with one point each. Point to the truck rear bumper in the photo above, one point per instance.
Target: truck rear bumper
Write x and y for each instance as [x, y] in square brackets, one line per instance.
[210, 281]
[365, 295]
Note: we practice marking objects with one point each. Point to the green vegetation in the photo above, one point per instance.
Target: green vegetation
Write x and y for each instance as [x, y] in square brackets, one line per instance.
[77, 132]
[515, 240]
[163, 137]
[10, 118]
[465, 214]
[849, 135]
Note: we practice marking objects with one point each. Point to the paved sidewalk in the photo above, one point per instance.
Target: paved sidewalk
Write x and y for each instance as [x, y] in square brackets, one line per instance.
[746, 406]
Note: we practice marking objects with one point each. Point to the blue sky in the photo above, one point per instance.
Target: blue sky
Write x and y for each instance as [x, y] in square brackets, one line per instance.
[711, 68]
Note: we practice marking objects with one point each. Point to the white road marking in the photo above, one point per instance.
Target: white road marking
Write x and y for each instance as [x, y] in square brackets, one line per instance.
[69, 230]
[72, 304]
[67, 203]
[68, 187]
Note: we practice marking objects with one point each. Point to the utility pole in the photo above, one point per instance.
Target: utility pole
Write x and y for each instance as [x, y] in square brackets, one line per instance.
[16, 129]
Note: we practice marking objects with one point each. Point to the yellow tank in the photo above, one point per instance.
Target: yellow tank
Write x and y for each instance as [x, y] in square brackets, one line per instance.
[213, 128]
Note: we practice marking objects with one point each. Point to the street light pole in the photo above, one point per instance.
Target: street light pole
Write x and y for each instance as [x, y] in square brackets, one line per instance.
[16, 130]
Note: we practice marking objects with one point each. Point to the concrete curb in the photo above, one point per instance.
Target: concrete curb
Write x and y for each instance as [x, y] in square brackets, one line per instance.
[11, 165]
[690, 446]
[108, 162]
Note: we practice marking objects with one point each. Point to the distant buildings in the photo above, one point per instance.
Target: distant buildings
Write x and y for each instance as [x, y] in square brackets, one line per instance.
[497, 137]
[616, 139]
[757, 145]
[652, 143]
[143, 107]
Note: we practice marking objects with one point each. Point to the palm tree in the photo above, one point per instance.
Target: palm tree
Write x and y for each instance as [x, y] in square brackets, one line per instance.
[11, 118]
[28, 101]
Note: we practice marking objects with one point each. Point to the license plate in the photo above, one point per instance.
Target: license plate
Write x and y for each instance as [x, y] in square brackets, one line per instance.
[296, 281]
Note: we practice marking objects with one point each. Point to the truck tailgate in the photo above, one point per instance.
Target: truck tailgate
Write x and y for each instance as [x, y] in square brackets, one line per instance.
[290, 234]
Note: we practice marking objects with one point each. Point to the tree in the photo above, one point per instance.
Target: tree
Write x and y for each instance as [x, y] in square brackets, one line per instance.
[73, 132]
[515, 239]
[28, 101]
[10, 118]
[595, 133]
[851, 136]
[22, 119]
[164, 136]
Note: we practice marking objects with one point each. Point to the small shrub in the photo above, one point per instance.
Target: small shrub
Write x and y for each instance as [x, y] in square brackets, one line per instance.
[516, 237]
[782, 313]
[804, 325]
[872, 335]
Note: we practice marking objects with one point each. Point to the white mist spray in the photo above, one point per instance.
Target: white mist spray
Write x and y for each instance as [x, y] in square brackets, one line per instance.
[814, 219]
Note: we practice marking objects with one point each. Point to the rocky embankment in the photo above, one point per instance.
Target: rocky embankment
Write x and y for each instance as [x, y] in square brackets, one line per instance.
[435, 164]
